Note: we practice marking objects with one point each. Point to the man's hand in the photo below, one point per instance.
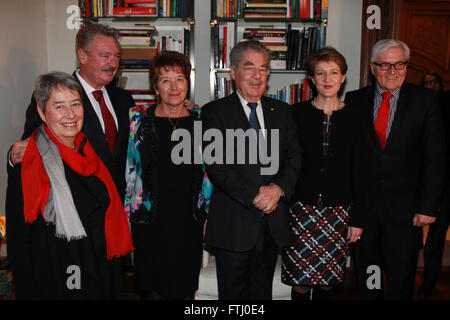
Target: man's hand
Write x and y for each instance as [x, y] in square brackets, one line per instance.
[190, 105]
[267, 198]
[354, 234]
[421, 220]
[18, 150]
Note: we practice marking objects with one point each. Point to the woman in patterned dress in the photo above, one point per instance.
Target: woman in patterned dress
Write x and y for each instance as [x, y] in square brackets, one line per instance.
[164, 197]
[323, 218]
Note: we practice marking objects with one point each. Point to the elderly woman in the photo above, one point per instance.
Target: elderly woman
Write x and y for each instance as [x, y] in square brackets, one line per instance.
[321, 215]
[163, 194]
[65, 223]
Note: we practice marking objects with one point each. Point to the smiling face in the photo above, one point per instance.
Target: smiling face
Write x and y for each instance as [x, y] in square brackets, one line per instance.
[172, 87]
[99, 64]
[250, 76]
[63, 114]
[328, 78]
[391, 79]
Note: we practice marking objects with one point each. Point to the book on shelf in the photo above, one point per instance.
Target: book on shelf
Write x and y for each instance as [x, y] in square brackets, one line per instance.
[174, 8]
[273, 39]
[293, 93]
[223, 87]
[135, 11]
[137, 53]
[301, 42]
[134, 64]
[224, 40]
[136, 41]
[126, 2]
[179, 42]
[143, 94]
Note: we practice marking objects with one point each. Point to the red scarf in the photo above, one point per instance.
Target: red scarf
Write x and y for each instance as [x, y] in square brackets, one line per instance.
[36, 188]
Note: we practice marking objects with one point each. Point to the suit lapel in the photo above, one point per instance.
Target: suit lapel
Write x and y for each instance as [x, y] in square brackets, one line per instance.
[93, 129]
[369, 105]
[239, 117]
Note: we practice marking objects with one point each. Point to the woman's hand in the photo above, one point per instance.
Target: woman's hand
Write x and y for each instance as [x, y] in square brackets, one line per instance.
[354, 234]
[191, 105]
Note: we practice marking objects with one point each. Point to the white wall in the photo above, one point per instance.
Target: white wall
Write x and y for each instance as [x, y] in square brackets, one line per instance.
[344, 34]
[23, 56]
[60, 39]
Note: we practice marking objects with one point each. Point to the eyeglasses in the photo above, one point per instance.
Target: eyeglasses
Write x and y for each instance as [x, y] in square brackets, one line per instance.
[431, 81]
[248, 70]
[385, 66]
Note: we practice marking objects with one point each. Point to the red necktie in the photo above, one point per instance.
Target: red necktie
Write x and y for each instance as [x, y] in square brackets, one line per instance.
[108, 120]
[381, 122]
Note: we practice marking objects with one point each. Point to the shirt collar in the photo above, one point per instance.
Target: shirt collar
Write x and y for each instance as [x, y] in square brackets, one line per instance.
[244, 102]
[379, 91]
[86, 86]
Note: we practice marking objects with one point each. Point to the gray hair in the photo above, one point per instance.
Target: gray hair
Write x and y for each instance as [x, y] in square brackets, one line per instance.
[386, 44]
[86, 34]
[46, 83]
[241, 47]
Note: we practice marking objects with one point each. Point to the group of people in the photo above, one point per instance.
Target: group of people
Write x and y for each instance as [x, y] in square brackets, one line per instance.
[94, 178]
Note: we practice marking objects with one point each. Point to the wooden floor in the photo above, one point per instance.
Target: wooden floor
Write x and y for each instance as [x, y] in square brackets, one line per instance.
[348, 289]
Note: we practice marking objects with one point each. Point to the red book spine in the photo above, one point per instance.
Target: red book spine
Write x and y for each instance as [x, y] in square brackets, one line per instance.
[303, 9]
[88, 8]
[304, 89]
[139, 1]
[130, 11]
[225, 47]
[308, 9]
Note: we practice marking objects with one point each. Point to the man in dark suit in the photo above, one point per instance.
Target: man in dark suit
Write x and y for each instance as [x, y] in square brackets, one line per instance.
[404, 174]
[106, 106]
[248, 216]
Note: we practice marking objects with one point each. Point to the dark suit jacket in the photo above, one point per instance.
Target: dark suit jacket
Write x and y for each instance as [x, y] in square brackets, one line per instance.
[233, 222]
[122, 102]
[408, 175]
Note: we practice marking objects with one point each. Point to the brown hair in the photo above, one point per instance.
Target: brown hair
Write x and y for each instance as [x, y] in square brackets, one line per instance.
[169, 60]
[326, 54]
[87, 34]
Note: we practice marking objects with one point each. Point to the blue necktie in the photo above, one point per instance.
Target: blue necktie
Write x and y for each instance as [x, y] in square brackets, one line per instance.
[253, 120]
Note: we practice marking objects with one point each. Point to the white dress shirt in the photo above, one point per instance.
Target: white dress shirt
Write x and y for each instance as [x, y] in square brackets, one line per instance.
[259, 112]
[88, 89]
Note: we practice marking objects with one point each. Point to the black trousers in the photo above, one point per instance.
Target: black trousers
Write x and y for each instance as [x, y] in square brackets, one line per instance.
[434, 246]
[389, 246]
[248, 275]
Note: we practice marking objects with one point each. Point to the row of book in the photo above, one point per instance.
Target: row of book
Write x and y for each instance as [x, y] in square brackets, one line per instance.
[143, 97]
[302, 9]
[294, 93]
[302, 42]
[150, 8]
[289, 47]
[290, 94]
[137, 58]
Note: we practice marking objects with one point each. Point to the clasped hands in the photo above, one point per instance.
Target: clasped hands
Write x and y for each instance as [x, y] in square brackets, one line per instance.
[267, 198]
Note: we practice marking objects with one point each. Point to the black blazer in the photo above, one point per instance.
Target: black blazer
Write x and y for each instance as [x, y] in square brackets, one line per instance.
[122, 102]
[408, 175]
[233, 222]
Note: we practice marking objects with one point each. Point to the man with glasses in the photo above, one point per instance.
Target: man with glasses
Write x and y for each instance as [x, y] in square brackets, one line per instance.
[405, 158]
[248, 216]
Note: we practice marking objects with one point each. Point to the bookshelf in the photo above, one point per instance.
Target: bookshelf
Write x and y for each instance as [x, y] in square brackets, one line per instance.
[169, 24]
[273, 22]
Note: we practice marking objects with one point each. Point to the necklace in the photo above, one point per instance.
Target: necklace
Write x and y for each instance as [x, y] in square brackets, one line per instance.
[174, 126]
[328, 110]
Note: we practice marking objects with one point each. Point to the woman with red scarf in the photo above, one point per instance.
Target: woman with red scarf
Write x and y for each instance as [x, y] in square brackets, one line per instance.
[64, 218]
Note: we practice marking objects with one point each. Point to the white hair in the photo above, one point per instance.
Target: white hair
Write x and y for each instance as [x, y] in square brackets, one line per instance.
[386, 44]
